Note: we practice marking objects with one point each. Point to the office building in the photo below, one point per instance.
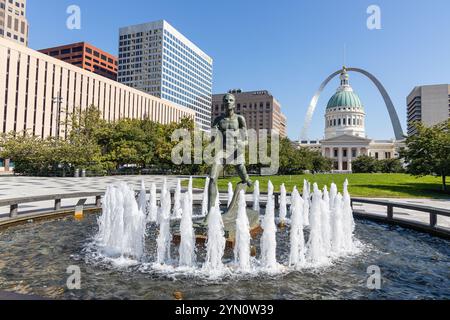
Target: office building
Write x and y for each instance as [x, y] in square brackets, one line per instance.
[86, 56]
[429, 105]
[259, 108]
[157, 59]
[13, 21]
[39, 92]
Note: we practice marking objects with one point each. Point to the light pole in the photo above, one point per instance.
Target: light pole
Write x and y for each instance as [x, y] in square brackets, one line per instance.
[58, 100]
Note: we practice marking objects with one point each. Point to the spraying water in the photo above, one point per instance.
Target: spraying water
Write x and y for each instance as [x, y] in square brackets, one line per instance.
[230, 193]
[205, 198]
[333, 194]
[153, 206]
[326, 222]
[348, 220]
[306, 203]
[187, 245]
[268, 239]
[142, 199]
[337, 232]
[215, 246]
[164, 236]
[177, 210]
[283, 204]
[121, 225]
[242, 244]
[297, 238]
[315, 252]
[162, 196]
[256, 197]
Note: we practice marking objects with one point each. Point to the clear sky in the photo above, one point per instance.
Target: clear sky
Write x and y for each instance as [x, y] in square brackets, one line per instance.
[286, 46]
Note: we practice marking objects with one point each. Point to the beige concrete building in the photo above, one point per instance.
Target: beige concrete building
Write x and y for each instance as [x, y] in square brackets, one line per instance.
[429, 105]
[13, 21]
[260, 109]
[38, 92]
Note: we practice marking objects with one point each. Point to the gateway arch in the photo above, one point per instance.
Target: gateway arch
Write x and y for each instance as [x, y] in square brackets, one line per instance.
[399, 135]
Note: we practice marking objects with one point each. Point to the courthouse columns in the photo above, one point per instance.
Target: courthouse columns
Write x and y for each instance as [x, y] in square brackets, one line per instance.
[349, 159]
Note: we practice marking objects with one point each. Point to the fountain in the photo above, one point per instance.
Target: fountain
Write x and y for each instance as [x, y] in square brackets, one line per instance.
[153, 207]
[337, 229]
[329, 234]
[348, 221]
[256, 196]
[297, 256]
[143, 259]
[243, 237]
[204, 211]
[122, 225]
[315, 252]
[164, 237]
[268, 239]
[177, 210]
[142, 200]
[187, 244]
[215, 245]
[326, 222]
[283, 205]
[306, 203]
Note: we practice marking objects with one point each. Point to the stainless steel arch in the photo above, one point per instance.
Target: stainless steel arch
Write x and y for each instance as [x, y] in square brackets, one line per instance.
[399, 135]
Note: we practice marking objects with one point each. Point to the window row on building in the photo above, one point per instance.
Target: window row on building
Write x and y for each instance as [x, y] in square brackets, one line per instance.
[38, 93]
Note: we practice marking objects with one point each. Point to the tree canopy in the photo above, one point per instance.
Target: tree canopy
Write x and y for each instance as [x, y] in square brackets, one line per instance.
[127, 145]
[428, 151]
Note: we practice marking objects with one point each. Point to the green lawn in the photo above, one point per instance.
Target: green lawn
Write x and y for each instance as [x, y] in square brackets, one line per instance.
[361, 185]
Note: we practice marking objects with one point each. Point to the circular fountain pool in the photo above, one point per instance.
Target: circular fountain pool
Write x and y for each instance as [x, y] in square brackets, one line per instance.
[34, 259]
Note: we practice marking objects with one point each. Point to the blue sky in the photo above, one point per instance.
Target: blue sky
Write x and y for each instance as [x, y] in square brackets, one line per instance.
[287, 46]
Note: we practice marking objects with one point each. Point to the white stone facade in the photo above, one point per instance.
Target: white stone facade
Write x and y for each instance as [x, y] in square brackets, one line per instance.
[13, 21]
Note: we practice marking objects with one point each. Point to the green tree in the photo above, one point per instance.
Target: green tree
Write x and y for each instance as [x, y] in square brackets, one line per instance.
[390, 166]
[428, 151]
[365, 164]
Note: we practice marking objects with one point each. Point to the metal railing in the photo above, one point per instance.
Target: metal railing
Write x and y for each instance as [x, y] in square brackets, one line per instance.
[390, 218]
[14, 203]
[432, 227]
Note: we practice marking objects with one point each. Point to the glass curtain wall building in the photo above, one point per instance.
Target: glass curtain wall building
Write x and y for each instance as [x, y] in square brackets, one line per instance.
[154, 57]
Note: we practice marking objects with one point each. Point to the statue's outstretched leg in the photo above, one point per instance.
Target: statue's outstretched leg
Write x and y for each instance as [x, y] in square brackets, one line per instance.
[242, 172]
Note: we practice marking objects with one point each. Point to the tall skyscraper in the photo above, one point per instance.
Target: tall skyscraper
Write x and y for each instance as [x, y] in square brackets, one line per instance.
[429, 105]
[86, 56]
[259, 108]
[13, 21]
[154, 57]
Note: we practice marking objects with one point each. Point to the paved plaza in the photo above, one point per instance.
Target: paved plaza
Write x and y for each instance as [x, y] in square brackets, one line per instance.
[18, 187]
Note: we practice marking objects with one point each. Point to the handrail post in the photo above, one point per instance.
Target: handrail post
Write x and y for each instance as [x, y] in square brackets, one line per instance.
[14, 210]
[57, 204]
[98, 201]
[390, 211]
[277, 200]
[433, 219]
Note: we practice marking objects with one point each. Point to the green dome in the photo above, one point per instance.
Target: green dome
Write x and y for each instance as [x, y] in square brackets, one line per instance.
[345, 99]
